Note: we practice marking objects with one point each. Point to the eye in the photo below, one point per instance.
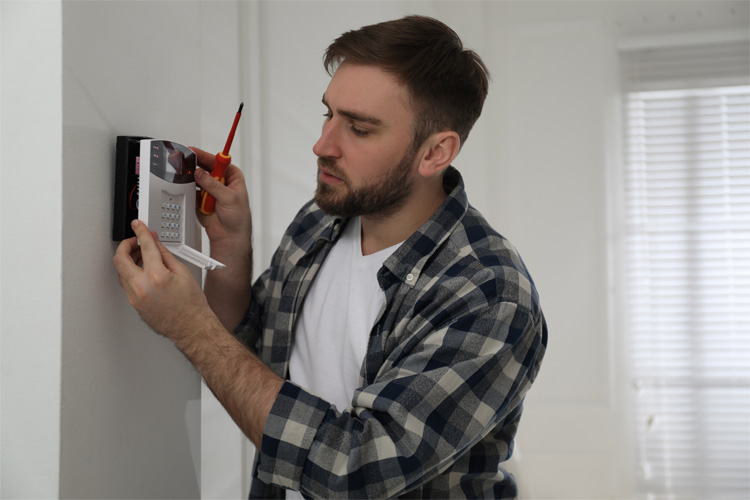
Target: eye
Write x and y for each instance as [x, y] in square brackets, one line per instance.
[359, 132]
[328, 114]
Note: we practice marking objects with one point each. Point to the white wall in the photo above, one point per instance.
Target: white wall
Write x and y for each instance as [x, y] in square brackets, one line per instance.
[94, 405]
[30, 248]
[555, 119]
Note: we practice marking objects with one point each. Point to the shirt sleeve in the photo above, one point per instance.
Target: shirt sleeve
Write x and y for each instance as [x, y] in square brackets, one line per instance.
[423, 411]
[249, 330]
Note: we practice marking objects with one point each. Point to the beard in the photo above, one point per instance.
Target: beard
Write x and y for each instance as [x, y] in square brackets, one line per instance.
[381, 198]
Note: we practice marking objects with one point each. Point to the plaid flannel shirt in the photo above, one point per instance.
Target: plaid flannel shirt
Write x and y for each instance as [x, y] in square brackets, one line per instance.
[450, 357]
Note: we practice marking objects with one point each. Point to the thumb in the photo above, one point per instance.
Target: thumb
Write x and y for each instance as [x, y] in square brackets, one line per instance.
[205, 180]
[209, 185]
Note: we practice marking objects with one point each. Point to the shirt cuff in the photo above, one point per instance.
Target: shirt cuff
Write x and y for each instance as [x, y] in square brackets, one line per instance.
[288, 435]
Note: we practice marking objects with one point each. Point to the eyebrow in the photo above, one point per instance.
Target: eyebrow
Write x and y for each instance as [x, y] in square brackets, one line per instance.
[354, 115]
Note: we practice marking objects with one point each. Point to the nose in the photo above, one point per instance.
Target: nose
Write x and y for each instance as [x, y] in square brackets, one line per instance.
[327, 145]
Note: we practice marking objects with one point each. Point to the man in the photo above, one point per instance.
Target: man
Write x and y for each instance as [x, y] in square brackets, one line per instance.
[388, 348]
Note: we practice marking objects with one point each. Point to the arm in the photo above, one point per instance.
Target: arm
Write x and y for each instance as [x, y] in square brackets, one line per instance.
[167, 297]
[229, 230]
[442, 390]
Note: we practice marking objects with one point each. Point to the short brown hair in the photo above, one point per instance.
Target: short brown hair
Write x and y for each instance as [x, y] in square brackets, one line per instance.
[447, 83]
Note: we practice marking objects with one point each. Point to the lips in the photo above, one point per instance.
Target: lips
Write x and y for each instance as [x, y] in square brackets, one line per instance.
[327, 173]
[327, 178]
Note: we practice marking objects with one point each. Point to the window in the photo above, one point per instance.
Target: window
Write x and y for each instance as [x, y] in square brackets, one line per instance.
[686, 216]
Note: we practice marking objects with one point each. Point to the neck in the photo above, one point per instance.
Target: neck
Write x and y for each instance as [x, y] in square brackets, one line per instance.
[380, 232]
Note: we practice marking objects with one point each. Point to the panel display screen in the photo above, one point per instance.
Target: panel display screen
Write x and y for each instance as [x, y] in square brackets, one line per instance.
[172, 162]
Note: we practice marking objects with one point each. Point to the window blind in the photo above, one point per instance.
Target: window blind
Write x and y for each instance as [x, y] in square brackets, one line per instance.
[686, 219]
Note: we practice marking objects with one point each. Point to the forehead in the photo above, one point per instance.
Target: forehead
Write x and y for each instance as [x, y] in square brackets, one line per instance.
[370, 91]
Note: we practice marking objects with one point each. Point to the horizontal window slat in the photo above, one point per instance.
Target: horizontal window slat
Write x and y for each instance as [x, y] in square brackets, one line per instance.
[690, 165]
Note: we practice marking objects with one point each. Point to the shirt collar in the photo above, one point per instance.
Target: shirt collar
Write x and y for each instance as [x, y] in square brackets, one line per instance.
[407, 261]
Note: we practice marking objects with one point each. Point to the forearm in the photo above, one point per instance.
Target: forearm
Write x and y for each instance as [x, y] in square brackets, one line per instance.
[240, 381]
[166, 295]
[229, 290]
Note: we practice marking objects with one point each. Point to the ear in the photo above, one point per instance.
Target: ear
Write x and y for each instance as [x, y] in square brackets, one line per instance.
[439, 150]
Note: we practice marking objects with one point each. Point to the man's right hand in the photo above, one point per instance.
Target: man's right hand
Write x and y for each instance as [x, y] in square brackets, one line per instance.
[232, 220]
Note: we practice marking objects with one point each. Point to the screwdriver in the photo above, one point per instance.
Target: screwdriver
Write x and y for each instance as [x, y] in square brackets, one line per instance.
[208, 202]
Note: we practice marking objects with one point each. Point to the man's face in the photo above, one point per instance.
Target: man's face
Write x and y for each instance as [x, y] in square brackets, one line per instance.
[365, 154]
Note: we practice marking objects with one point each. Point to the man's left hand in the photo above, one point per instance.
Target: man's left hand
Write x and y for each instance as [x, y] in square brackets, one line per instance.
[159, 286]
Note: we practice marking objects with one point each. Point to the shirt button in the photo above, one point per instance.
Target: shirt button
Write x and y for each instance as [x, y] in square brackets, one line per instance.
[409, 277]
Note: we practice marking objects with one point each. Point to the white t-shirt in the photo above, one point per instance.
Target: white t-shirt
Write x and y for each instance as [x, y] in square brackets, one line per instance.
[334, 326]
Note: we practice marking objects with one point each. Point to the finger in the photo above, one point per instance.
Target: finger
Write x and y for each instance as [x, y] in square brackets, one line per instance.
[205, 181]
[138, 258]
[149, 251]
[205, 159]
[235, 182]
[235, 177]
[123, 259]
[170, 261]
[219, 191]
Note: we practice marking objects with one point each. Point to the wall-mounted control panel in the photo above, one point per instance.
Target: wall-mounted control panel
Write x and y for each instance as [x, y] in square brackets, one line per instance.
[157, 185]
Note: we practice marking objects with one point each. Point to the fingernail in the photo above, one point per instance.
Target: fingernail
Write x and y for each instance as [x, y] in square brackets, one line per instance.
[199, 173]
[135, 223]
